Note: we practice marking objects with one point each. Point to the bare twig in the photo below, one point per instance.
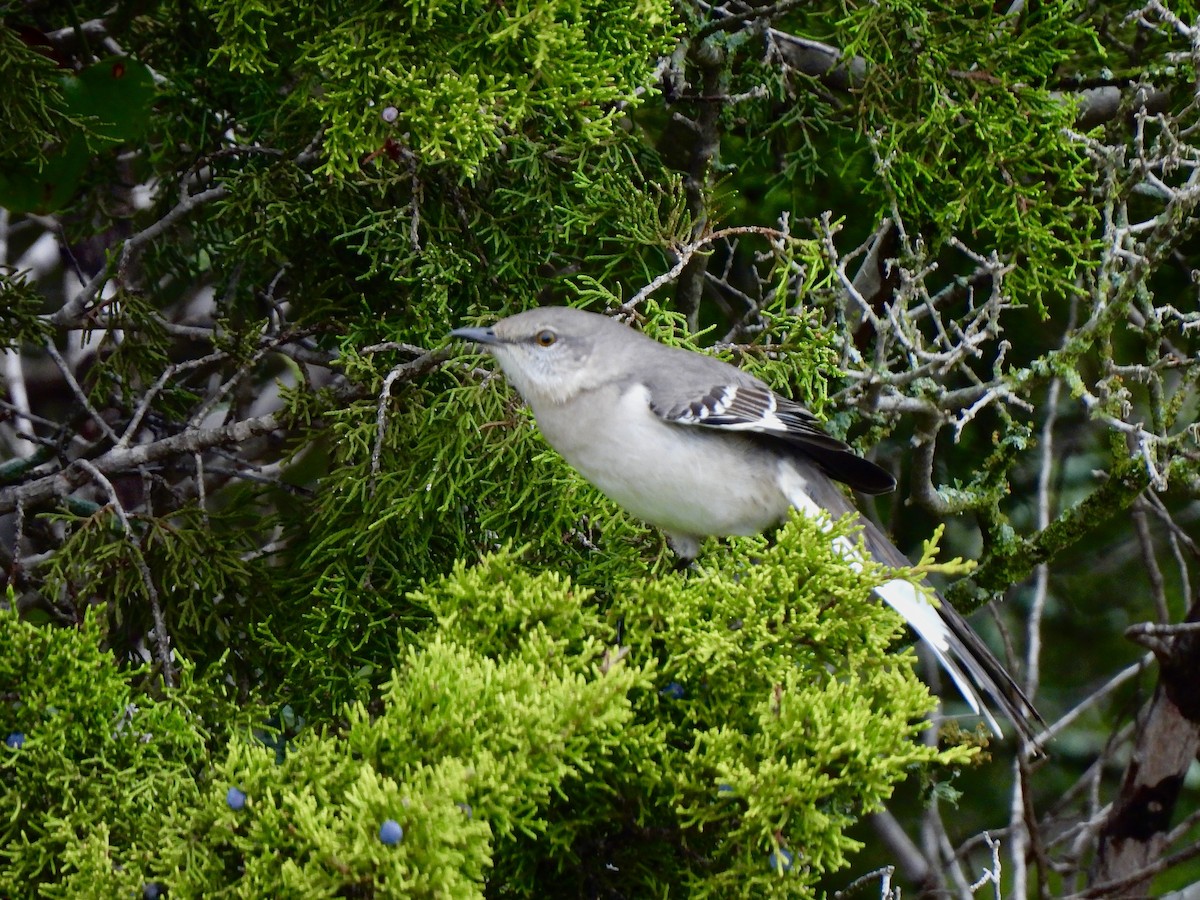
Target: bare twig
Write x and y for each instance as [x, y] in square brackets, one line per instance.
[684, 254]
[403, 373]
[80, 396]
[80, 302]
[161, 638]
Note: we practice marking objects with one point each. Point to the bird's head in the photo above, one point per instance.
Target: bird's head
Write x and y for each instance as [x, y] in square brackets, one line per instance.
[545, 352]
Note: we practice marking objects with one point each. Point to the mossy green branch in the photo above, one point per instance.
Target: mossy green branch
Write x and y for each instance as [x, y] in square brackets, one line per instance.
[1014, 559]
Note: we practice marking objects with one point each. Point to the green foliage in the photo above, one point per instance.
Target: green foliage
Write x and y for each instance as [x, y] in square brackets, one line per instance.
[525, 730]
[104, 763]
[310, 827]
[31, 107]
[956, 129]
[61, 119]
[20, 311]
[450, 250]
[529, 737]
[459, 203]
[125, 370]
[781, 654]
[443, 482]
[969, 135]
[197, 574]
[526, 739]
[553, 70]
[570, 717]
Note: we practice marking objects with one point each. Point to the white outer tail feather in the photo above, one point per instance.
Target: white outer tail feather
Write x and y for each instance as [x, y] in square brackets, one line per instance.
[915, 608]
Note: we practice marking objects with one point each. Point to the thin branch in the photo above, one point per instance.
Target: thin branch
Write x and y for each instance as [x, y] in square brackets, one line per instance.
[167, 376]
[80, 396]
[1094, 698]
[900, 847]
[684, 254]
[402, 373]
[123, 459]
[161, 638]
[79, 303]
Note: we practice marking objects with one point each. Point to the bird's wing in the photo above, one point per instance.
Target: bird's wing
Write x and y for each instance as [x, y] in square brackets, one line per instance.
[755, 408]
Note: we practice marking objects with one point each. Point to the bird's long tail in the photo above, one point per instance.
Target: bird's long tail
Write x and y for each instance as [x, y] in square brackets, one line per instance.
[964, 656]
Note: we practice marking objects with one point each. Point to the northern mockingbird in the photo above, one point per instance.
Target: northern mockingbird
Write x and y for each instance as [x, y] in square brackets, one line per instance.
[698, 447]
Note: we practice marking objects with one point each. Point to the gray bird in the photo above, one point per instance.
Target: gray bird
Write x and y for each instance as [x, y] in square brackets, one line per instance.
[699, 448]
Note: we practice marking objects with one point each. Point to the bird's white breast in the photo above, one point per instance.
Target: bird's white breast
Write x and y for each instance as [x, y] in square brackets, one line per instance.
[683, 479]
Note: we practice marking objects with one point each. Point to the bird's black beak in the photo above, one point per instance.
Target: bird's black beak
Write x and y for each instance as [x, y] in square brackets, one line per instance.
[478, 335]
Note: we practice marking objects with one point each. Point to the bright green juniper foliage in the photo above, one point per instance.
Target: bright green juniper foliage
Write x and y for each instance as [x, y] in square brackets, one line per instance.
[679, 729]
[107, 759]
[519, 743]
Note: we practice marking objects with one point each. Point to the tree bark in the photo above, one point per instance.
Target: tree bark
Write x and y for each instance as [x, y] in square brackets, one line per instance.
[1135, 836]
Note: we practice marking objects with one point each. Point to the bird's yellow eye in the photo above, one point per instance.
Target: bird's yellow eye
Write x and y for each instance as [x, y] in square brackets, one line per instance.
[546, 337]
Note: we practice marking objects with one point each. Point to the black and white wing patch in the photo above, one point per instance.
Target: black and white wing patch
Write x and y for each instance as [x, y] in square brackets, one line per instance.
[740, 407]
[756, 409]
